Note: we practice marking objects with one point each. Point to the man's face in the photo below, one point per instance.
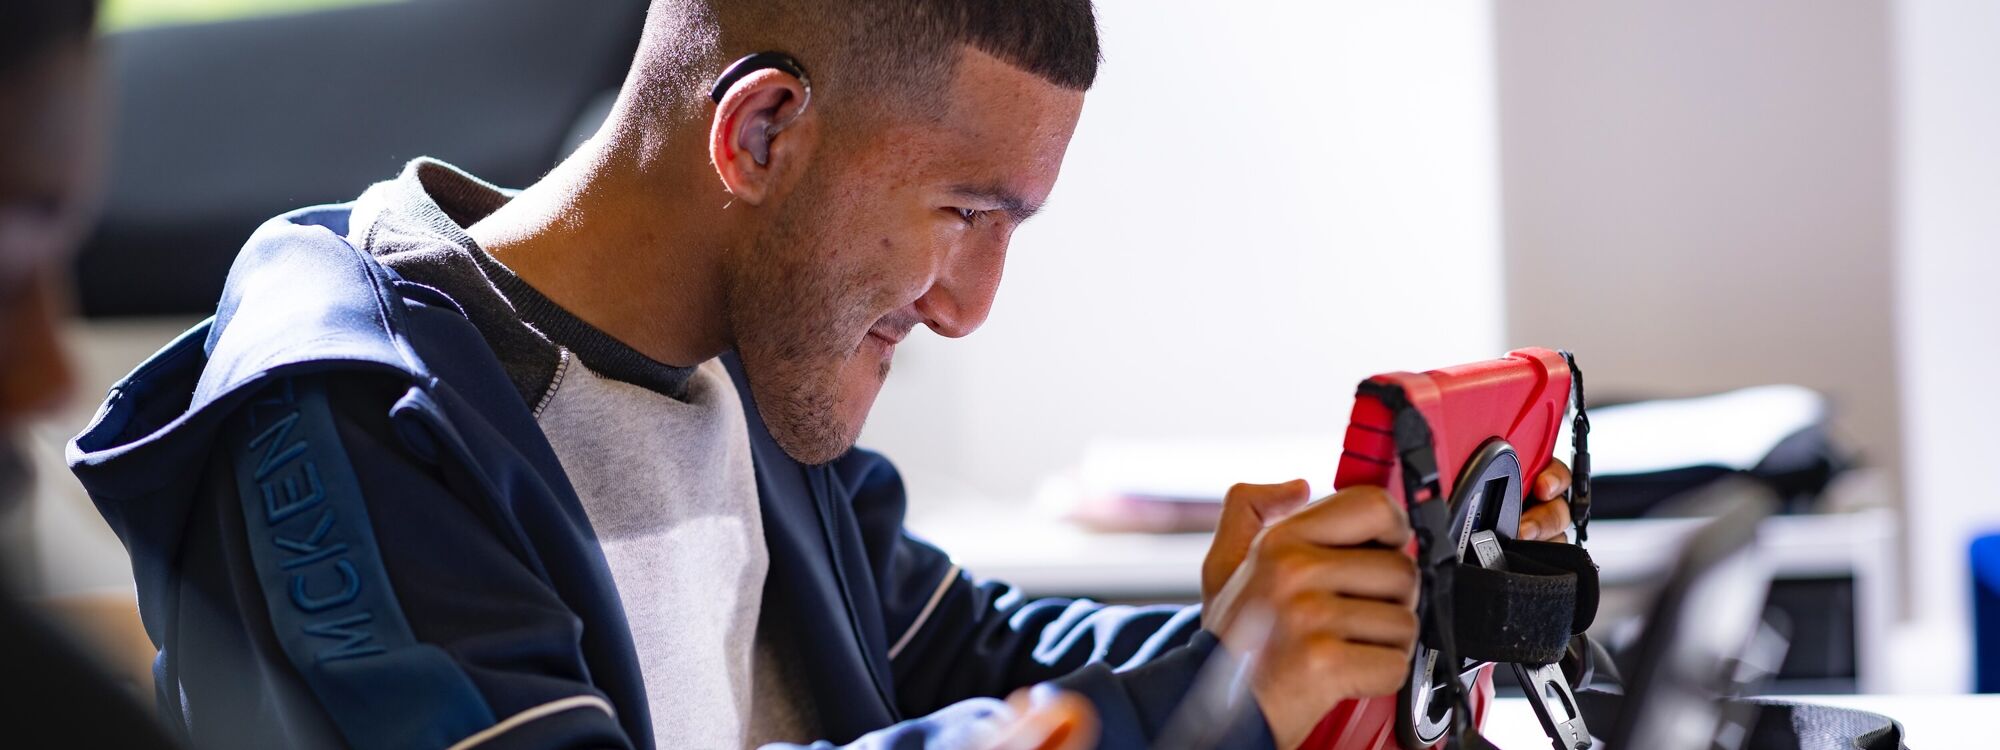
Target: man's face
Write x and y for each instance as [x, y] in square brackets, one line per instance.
[904, 225]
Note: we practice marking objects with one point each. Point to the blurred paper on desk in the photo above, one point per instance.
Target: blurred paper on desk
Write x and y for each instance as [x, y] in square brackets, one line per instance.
[1733, 430]
[1168, 485]
[1650, 456]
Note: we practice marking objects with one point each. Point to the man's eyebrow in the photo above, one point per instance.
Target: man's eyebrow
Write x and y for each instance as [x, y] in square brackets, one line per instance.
[1019, 209]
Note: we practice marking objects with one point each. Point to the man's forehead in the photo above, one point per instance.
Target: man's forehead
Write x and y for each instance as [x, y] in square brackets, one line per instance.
[992, 98]
[996, 129]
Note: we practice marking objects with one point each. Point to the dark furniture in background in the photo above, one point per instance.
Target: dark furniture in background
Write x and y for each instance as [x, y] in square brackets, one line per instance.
[221, 126]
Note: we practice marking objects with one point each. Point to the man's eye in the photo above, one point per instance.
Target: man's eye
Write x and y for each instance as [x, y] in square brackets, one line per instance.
[967, 215]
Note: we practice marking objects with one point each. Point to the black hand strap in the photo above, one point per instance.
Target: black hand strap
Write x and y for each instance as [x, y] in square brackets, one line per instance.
[1524, 610]
[1543, 681]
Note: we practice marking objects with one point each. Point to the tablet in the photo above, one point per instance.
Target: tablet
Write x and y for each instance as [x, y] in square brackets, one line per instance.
[1703, 622]
[1492, 428]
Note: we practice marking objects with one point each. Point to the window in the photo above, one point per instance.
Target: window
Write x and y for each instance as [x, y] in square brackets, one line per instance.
[120, 15]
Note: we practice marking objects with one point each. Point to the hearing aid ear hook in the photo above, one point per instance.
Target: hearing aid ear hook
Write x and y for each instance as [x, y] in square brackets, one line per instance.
[776, 61]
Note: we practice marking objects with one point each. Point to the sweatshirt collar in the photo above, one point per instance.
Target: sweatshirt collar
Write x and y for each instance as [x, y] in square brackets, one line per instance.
[418, 220]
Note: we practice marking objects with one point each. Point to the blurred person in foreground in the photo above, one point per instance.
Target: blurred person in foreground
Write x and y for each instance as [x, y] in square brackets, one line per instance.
[574, 467]
[51, 693]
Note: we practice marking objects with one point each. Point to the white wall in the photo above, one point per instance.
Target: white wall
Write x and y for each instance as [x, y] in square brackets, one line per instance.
[1789, 190]
[1698, 196]
[1256, 194]
[1948, 307]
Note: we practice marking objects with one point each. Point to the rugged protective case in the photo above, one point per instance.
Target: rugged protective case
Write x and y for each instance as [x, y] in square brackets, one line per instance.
[1521, 398]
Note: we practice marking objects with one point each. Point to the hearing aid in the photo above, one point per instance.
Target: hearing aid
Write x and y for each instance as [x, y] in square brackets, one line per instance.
[778, 61]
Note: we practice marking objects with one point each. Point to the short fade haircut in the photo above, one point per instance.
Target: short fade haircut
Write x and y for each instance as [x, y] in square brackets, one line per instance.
[29, 28]
[874, 52]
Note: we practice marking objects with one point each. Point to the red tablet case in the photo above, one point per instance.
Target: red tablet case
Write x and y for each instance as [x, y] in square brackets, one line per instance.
[1521, 398]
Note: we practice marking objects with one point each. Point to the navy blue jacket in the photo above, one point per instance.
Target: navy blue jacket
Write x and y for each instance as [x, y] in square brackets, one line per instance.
[346, 528]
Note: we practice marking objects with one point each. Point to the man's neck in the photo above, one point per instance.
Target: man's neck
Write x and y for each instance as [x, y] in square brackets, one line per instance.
[586, 237]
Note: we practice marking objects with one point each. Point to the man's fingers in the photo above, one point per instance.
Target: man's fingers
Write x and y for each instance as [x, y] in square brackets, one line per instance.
[1356, 620]
[1544, 520]
[1368, 670]
[1341, 594]
[1356, 515]
[1553, 481]
[1265, 503]
[1383, 669]
[1382, 574]
[1545, 516]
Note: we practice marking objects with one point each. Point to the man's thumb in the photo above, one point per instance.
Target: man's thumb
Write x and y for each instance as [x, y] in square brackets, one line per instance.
[1246, 510]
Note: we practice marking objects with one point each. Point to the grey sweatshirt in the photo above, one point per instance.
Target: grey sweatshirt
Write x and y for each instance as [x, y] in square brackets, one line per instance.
[659, 457]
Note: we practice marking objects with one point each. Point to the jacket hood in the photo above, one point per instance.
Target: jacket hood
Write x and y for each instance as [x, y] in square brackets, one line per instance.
[299, 300]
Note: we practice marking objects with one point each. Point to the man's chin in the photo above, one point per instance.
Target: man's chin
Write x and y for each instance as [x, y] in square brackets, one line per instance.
[811, 452]
[814, 430]
[814, 418]
[817, 444]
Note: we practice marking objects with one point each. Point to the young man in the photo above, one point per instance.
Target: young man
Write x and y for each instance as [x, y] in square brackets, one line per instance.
[574, 467]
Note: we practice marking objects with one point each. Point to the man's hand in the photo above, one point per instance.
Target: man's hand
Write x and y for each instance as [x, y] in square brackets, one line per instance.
[1049, 719]
[1305, 558]
[1546, 519]
[1323, 601]
[1248, 508]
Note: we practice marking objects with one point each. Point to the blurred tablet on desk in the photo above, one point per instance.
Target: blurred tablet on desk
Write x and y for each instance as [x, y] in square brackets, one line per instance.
[1704, 641]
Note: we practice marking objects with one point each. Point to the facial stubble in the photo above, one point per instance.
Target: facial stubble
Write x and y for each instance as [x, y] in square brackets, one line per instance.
[794, 310]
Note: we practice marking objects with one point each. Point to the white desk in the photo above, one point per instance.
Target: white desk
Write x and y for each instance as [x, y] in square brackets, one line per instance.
[1045, 555]
[1930, 722]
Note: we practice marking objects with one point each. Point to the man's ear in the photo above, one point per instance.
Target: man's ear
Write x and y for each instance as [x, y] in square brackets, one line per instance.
[761, 131]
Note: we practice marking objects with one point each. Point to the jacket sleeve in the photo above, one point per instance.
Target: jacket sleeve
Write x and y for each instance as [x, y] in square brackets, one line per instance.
[404, 612]
[955, 637]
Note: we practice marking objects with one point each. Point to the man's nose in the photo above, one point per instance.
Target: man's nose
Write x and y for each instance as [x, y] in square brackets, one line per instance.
[962, 296]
